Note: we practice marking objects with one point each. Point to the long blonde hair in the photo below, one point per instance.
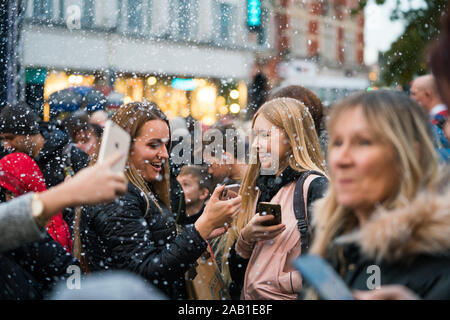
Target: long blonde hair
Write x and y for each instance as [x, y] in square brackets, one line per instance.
[293, 118]
[403, 124]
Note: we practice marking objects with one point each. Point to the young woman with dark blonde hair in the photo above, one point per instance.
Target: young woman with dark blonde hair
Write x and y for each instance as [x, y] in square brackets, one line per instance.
[286, 141]
[138, 231]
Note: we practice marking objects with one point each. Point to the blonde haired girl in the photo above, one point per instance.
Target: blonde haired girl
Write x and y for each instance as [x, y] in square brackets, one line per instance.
[286, 137]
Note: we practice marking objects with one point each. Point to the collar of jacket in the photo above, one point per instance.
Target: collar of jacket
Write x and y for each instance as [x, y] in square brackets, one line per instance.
[422, 227]
[269, 185]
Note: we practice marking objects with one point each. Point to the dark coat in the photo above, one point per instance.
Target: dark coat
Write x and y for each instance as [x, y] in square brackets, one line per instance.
[410, 246]
[57, 154]
[123, 235]
[33, 270]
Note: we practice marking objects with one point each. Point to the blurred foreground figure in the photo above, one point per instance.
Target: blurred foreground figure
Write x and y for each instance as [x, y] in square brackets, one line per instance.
[19, 174]
[113, 285]
[22, 220]
[385, 219]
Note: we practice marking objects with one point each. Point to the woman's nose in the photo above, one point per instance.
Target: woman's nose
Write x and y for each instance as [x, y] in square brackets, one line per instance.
[343, 155]
[163, 153]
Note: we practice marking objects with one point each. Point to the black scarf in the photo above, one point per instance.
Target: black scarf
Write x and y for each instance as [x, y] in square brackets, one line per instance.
[270, 184]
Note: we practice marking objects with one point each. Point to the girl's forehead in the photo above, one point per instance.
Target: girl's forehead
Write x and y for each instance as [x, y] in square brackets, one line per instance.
[155, 129]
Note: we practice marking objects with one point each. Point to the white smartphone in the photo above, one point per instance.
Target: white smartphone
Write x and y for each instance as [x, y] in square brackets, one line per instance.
[115, 139]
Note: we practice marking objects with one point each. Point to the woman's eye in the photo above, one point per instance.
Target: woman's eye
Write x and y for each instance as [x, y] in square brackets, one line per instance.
[365, 142]
[336, 143]
[154, 145]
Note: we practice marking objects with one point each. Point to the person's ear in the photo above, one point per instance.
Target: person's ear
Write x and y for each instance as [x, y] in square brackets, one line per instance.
[205, 193]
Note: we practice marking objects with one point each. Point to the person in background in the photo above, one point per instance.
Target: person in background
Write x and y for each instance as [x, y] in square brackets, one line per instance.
[23, 219]
[197, 187]
[85, 135]
[314, 105]
[138, 232]
[230, 167]
[387, 205]
[20, 175]
[50, 147]
[439, 61]
[256, 257]
[424, 90]
[99, 118]
[52, 150]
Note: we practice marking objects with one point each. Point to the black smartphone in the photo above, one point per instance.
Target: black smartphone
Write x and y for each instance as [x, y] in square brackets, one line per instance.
[322, 277]
[231, 191]
[265, 208]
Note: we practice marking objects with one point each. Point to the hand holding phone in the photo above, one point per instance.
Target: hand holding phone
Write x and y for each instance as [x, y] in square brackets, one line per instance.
[322, 277]
[231, 191]
[265, 208]
[115, 139]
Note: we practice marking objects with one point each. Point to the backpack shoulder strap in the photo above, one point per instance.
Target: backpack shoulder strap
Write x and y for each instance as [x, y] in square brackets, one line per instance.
[300, 209]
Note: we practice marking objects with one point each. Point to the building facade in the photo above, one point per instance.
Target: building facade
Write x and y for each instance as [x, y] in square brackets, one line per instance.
[320, 45]
[186, 55]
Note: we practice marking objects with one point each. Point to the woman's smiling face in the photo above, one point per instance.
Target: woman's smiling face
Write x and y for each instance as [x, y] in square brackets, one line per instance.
[267, 137]
[150, 150]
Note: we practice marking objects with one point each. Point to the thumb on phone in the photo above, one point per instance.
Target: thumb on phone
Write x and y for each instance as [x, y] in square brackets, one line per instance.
[217, 191]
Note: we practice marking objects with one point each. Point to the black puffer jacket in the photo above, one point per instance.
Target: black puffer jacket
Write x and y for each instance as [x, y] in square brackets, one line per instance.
[33, 270]
[121, 235]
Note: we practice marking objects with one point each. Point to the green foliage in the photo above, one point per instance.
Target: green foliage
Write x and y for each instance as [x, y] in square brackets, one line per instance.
[407, 56]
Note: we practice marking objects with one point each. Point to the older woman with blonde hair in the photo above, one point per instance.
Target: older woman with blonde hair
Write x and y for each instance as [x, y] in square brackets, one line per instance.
[287, 153]
[386, 217]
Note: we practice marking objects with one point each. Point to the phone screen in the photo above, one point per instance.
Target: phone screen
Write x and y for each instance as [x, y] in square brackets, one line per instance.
[322, 277]
[265, 208]
[231, 191]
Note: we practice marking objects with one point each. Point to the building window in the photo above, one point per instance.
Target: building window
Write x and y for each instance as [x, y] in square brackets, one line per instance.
[225, 21]
[43, 9]
[149, 15]
[135, 16]
[262, 32]
[184, 25]
[349, 47]
[183, 18]
[328, 42]
[88, 14]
